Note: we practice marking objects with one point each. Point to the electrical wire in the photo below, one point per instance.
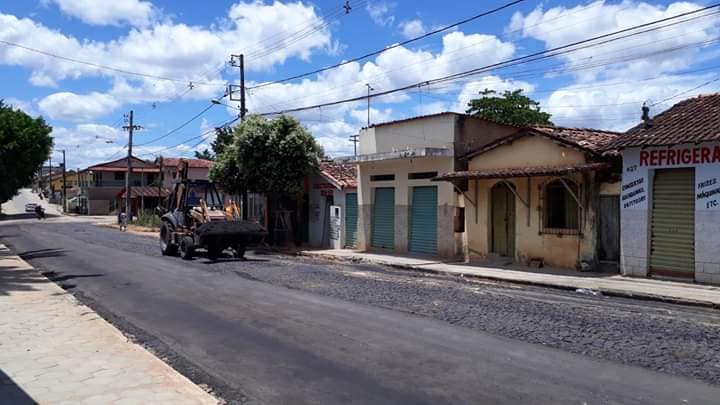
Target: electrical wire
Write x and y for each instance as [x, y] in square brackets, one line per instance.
[179, 127]
[553, 52]
[403, 43]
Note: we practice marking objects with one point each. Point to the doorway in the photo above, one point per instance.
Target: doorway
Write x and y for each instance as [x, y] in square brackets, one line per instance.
[502, 217]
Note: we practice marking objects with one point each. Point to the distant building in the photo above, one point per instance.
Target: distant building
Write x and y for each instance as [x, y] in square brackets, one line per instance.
[198, 169]
[103, 184]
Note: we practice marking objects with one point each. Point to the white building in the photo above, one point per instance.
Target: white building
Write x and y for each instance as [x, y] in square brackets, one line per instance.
[670, 203]
[400, 208]
[332, 209]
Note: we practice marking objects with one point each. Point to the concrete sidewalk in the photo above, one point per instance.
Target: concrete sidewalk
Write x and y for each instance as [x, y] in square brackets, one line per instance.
[54, 350]
[610, 284]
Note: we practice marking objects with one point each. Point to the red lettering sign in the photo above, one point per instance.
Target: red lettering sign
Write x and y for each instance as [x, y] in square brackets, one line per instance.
[685, 156]
[643, 158]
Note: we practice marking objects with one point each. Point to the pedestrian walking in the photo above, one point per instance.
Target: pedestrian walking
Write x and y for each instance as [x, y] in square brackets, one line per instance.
[123, 221]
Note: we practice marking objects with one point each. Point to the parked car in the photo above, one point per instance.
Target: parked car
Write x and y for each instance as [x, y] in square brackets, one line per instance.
[30, 207]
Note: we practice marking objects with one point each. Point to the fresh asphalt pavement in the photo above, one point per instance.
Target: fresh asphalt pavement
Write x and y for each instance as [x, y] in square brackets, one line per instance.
[263, 342]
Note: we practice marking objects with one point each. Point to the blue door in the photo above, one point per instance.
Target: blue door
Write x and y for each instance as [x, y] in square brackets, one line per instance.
[423, 220]
[351, 218]
[383, 219]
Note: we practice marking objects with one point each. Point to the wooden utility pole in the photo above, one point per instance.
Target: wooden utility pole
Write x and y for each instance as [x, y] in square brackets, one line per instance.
[64, 191]
[160, 180]
[369, 89]
[239, 61]
[354, 140]
[131, 127]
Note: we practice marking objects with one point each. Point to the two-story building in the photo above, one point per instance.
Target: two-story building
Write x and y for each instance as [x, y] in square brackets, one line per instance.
[103, 185]
[198, 169]
[400, 208]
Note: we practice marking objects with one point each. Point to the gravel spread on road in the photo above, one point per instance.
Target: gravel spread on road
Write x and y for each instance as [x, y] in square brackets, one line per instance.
[674, 339]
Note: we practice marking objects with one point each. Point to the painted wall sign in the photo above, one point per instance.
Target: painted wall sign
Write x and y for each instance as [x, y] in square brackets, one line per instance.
[637, 163]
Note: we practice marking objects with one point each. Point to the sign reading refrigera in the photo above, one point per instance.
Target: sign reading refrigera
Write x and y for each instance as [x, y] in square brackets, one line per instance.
[704, 158]
[680, 156]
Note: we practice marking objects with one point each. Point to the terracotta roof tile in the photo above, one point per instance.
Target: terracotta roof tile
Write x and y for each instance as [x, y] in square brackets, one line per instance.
[511, 172]
[343, 174]
[144, 191]
[192, 163]
[693, 120]
[586, 139]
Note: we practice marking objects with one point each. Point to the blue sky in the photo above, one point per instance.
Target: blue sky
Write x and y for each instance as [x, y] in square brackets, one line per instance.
[181, 42]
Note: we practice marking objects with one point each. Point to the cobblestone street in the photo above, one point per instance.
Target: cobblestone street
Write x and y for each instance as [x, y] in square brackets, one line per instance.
[679, 340]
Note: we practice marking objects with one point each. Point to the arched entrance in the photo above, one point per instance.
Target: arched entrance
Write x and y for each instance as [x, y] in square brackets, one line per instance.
[502, 218]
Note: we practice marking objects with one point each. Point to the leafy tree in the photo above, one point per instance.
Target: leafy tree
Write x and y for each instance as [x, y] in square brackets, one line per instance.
[223, 137]
[25, 143]
[267, 156]
[511, 108]
[206, 154]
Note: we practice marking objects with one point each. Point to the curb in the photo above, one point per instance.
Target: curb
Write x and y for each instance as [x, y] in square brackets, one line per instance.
[605, 291]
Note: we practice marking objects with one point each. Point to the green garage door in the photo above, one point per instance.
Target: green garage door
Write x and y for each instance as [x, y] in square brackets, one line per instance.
[383, 219]
[351, 219]
[672, 251]
[423, 220]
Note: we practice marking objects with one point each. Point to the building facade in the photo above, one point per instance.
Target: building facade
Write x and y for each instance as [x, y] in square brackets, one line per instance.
[400, 208]
[670, 204]
[538, 196]
[102, 184]
[332, 216]
[198, 169]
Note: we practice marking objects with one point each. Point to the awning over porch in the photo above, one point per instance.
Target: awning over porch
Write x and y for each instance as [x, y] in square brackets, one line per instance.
[145, 191]
[513, 172]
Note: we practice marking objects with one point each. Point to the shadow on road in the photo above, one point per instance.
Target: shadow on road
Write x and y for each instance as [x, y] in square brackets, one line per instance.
[14, 279]
[11, 393]
[10, 217]
[58, 278]
[42, 253]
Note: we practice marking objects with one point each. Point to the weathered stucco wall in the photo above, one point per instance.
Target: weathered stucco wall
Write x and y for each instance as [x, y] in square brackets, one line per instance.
[432, 132]
[556, 250]
[447, 200]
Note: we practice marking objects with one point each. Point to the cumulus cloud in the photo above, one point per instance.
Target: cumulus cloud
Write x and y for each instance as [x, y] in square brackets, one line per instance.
[24, 106]
[472, 89]
[109, 12]
[169, 49]
[77, 107]
[381, 12]
[412, 28]
[665, 50]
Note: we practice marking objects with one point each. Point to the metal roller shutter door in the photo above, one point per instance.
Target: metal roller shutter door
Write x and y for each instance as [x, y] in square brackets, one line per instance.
[423, 220]
[383, 219]
[351, 218]
[672, 251]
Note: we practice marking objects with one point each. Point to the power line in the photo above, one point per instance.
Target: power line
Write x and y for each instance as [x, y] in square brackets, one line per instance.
[179, 127]
[560, 50]
[403, 43]
[193, 138]
[99, 66]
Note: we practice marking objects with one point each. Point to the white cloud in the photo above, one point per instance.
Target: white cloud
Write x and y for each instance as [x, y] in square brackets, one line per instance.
[168, 49]
[77, 107]
[109, 12]
[648, 51]
[616, 104]
[86, 144]
[381, 12]
[24, 106]
[412, 28]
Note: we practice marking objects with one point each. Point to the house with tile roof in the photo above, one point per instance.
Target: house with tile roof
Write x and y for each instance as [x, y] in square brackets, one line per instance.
[670, 204]
[198, 169]
[332, 206]
[541, 195]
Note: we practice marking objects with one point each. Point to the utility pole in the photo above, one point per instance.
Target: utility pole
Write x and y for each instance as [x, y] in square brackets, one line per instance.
[239, 61]
[369, 89]
[160, 180]
[131, 127]
[64, 191]
[354, 140]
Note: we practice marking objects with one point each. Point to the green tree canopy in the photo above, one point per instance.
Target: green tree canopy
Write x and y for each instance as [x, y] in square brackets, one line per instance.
[510, 108]
[25, 143]
[206, 154]
[267, 156]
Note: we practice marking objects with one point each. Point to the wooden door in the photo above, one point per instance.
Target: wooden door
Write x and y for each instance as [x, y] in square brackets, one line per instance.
[502, 201]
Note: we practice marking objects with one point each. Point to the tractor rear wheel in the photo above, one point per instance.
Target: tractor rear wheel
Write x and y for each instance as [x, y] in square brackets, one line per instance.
[187, 248]
[167, 247]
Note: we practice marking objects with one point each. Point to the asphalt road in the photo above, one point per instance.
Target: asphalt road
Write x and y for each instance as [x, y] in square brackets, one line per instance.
[262, 343]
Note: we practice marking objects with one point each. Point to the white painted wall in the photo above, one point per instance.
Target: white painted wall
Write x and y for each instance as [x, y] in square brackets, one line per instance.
[433, 132]
[636, 204]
